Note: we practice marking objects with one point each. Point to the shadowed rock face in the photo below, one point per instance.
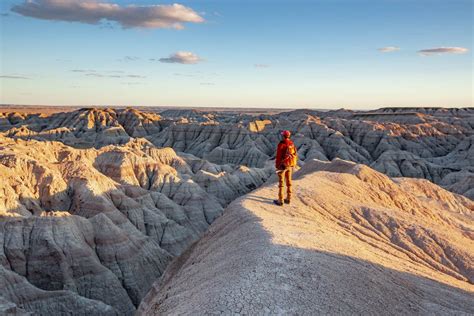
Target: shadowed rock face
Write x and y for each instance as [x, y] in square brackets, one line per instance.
[90, 230]
[95, 203]
[353, 241]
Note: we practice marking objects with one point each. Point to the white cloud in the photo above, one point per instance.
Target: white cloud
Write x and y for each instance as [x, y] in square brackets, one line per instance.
[442, 50]
[14, 77]
[182, 58]
[111, 74]
[388, 49]
[93, 12]
[261, 66]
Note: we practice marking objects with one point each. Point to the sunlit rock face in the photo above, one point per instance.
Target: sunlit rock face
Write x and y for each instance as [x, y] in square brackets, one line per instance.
[428, 143]
[353, 241]
[96, 202]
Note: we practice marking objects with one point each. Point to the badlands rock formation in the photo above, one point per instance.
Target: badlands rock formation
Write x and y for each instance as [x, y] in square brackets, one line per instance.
[95, 203]
[429, 143]
[353, 242]
[90, 230]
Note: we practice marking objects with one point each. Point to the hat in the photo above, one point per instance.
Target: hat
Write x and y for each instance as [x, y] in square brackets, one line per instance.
[286, 133]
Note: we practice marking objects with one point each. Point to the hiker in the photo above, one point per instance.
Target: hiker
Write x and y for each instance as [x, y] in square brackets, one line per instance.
[286, 157]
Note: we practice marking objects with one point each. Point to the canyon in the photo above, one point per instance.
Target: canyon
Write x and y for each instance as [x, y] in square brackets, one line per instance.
[106, 211]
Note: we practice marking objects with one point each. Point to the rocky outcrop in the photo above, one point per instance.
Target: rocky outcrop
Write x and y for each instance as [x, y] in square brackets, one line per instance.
[38, 301]
[461, 182]
[353, 241]
[90, 230]
[95, 203]
[425, 143]
[87, 128]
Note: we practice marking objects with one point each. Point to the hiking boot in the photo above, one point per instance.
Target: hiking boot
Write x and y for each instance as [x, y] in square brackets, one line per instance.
[277, 202]
[287, 201]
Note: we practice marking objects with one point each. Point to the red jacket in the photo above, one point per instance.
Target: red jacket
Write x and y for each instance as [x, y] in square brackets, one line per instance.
[281, 151]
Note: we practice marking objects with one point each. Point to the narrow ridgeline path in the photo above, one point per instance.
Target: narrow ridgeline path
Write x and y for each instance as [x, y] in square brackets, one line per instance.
[353, 241]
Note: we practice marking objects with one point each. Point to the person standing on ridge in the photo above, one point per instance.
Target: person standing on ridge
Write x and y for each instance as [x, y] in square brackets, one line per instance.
[286, 158]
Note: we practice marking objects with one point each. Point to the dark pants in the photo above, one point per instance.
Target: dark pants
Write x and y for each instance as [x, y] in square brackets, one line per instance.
[284, 175]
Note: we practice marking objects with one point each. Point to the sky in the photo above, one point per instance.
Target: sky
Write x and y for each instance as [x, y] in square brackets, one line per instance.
[355, 54]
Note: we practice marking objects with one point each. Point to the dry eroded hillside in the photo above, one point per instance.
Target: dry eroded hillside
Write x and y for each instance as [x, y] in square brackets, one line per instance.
[353, 242]
[430, 143]
[95, 203]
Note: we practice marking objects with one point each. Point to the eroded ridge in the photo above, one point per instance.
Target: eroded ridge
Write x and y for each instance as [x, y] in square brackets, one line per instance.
[353, 241]
[96, 202]
[91, 229]
[429, 143]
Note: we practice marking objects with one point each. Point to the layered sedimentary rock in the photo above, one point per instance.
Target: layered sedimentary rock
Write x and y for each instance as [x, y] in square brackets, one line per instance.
[95, 203]
[90, 230]
[353, 241]
[428, 143]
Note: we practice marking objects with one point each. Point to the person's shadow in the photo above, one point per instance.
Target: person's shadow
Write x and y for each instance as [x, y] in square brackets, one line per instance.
[259, 199]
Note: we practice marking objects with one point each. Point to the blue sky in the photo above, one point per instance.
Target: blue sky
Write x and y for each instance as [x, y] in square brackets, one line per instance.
[292, 54]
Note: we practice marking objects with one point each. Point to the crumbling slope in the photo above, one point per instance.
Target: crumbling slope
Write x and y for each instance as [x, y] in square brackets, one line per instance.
[88, 231]
[353, 241]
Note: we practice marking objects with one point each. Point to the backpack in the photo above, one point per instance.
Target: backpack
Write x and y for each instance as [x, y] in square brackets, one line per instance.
[289, 158]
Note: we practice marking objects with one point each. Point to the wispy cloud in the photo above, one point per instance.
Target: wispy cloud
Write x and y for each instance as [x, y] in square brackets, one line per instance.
[14, 77]
[130, 58]
[261, 65]
[99, 75]
[92, 70]
[82, 70]
[182, 58]
[93, 12]
[442, 50]
[107, 74]
[132, 83]
[388, 49]
[134, 76]
[207, 83]
[184, 75]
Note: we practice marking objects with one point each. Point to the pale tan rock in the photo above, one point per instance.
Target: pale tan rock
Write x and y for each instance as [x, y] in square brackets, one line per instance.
[353, 241]
[145, 186]
[259, 125]
[437, 138]
[102, 224]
